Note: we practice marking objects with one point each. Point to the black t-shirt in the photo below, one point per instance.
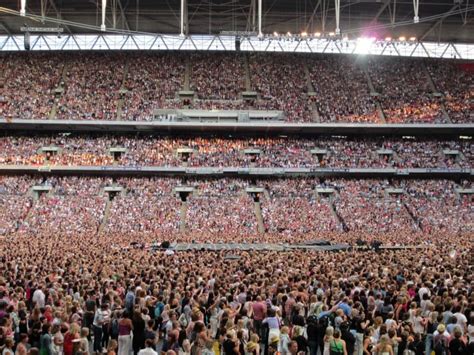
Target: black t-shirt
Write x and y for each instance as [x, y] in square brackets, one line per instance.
[90, 305]
[457, 347]
[357, 325]
[150, 334]
[229, 347]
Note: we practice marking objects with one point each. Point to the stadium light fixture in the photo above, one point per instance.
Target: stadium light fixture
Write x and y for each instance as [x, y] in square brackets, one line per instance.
[317, 34]
[388, 39]
[402, 38]
[363, 45]
[304, 34]
[275, 34]
[413, 39]
[331, 34]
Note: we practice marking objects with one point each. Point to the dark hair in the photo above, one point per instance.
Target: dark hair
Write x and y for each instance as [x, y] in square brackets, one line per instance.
[46, 327]
[149, 343]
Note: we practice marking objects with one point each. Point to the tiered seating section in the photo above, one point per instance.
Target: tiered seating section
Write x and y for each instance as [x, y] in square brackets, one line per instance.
[222, 211]
[77, 150]
[131, 86]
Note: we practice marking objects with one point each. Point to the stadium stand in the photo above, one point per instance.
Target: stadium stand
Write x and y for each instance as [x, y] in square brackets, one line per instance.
[337, 152]
[210, 243]
[131, 86]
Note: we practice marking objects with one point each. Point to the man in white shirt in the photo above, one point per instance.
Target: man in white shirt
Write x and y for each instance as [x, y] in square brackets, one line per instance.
[148, 348]
[461, 319]
[39, 297]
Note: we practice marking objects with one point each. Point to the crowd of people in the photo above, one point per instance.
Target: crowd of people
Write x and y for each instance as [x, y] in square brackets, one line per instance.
[218, 76]
[91, 88]
[280, 81]
[455, 84]
[82, 265]
[333, 152]
[342, 91]
[152, 82]
[28, 85]
[404, 91]
[225, 210]
[293, 208]
[131, 86]
[364, 206]
[92, 295]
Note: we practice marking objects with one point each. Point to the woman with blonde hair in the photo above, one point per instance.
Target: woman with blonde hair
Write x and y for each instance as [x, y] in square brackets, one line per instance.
[328, 337]
[253, 346]
[112, 347]
[284, 340]
[384, 347]
[71, 336]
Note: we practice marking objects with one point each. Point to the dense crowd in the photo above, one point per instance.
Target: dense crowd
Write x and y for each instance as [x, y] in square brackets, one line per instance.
[364, 206]
[342, 91]
[91, 89]
[290, 210]
[91, 295]
[28, 85]
[456, 87]
[334, 152]
[293, 208]
[152, 82]
[404, 91]
[281, 84]
[132, 86]
[217, 76]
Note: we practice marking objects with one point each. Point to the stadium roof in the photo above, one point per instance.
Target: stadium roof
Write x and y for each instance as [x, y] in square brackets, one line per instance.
[440, 20]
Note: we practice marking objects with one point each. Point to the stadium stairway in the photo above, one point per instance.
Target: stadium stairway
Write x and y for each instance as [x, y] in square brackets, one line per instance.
[413, 217]
[105, 219]
[259, 216]
[182, 216]
[338, 217]
[248, 82]
[122, 93]
[26, 217]
[309, 84]
[311, 93]
[61, 88]
[435, 90]
[187, 75]
[373, 92]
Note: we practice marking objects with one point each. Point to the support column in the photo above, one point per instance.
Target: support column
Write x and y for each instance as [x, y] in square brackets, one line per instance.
[23, 8]
[183, 15]
[260, 34]
[337, 6]
[254, 15]
[416, 5]
[104, 7]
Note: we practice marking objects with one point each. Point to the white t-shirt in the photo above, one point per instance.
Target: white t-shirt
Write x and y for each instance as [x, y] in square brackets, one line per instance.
[39, 298]
[462, 320]
[470, 333]
[147, 351]
[422, 291]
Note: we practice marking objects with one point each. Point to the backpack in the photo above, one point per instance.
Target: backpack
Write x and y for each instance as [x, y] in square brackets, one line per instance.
[440, 347]
[158, 309]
